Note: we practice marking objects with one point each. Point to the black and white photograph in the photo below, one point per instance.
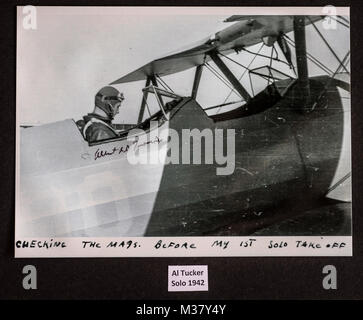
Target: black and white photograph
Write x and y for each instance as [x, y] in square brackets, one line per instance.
[183, 131]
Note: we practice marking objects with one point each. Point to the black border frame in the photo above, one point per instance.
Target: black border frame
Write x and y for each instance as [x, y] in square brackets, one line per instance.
[231, 278]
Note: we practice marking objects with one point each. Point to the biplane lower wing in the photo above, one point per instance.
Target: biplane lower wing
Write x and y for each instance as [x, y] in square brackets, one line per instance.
[242, 34]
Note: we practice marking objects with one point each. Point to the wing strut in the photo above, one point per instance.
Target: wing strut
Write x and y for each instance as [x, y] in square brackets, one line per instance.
[158, 96]
[301, 61]
[143, 102]
[230, 76]
[155, 84]
[198, 75]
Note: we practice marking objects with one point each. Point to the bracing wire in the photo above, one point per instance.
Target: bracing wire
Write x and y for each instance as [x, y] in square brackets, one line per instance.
[343, 24]
[344, 19]
[158, 81]
[267, 57]
[215, 73]
[345, 60]
[314, 60]
[327, 44]
[166, 87]
[240, 64]
[244, 72]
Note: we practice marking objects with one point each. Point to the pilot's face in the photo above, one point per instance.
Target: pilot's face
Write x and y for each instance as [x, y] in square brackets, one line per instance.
[115, 107]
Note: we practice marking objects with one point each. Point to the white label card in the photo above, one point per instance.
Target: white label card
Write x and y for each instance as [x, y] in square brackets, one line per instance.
[188, 278]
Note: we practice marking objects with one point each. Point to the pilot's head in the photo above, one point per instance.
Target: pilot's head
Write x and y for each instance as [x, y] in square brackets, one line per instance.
[109, 100]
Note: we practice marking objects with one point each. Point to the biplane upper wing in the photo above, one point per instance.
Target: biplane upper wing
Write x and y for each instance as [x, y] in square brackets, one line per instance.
[247, 31]
[180, 60]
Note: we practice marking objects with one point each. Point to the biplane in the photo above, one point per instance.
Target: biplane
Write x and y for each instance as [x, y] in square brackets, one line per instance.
[289, 139]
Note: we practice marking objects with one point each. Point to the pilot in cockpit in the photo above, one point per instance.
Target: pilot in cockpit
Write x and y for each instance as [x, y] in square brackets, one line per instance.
[98, 124]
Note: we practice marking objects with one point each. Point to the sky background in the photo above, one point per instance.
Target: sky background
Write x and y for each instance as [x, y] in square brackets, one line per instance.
[75, 51]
